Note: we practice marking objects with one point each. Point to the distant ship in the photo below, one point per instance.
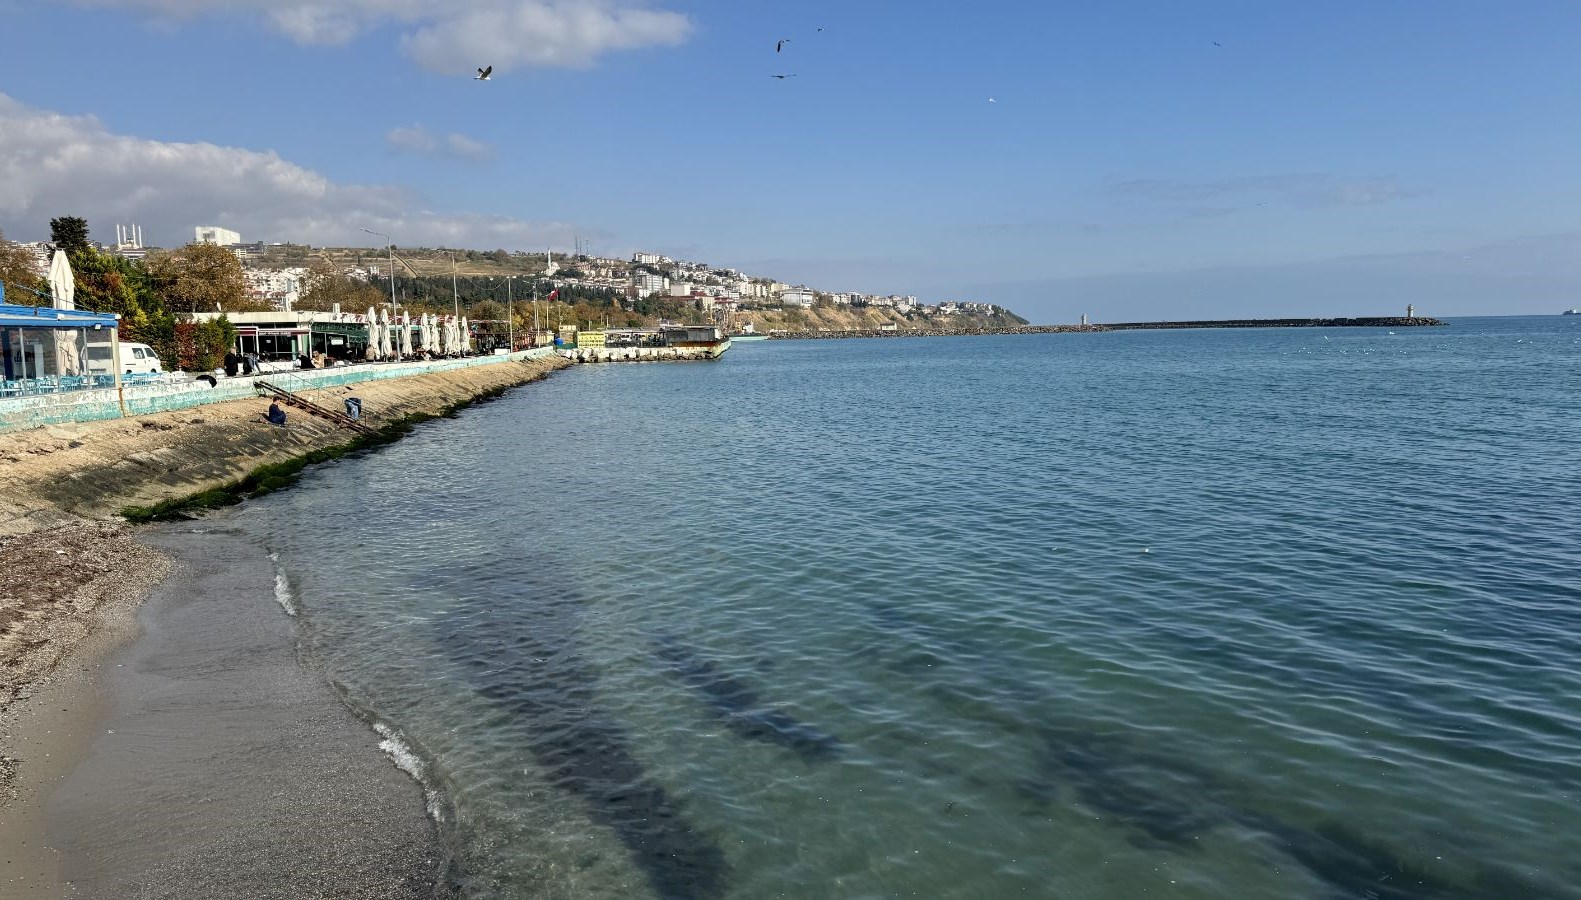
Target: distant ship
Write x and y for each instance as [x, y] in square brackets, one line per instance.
[1573, 312]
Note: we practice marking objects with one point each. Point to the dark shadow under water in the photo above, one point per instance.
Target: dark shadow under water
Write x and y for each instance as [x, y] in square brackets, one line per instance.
[740, 708]
[521, 653]
[1115, 777]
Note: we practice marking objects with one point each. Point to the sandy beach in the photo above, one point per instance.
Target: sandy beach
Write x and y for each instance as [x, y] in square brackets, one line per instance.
[180, 747]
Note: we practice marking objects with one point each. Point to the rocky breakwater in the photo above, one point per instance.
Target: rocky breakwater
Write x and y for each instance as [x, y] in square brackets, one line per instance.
[1368, 322]
[780, 334]
[642, 354]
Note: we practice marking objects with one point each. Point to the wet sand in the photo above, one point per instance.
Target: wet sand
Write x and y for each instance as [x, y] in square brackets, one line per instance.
[226, 767]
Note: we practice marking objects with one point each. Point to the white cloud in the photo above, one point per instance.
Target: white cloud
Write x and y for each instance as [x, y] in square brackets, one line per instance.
[422, 142]
[56, 165]
[454, 38]
[511, 34]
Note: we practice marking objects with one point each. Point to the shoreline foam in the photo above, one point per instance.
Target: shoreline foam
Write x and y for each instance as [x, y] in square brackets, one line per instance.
[227, 764]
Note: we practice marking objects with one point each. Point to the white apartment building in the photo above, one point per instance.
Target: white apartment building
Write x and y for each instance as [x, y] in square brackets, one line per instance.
[213, 234]
[647, 284]
[39, 254]
[799, 297]
[646, 259]
[680, 289]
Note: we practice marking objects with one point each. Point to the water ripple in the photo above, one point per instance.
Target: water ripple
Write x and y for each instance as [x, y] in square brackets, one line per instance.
[1274, 613]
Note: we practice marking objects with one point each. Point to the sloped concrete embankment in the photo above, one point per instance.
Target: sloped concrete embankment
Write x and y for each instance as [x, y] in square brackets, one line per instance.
[61, 474]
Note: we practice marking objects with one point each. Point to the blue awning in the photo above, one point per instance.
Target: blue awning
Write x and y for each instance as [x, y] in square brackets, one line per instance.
[12, 316]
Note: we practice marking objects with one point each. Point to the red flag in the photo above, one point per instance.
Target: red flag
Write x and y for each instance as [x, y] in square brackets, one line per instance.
[554, 294]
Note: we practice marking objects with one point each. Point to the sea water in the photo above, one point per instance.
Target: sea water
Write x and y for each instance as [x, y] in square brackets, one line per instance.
[1211, 613]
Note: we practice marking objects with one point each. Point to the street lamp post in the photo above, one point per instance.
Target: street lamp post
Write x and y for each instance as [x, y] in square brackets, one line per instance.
[455, 293]
[389, 245]
[510, 314]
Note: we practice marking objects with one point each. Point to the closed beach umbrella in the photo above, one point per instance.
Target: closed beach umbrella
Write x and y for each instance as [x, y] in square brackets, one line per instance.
[386, 348]
[372, 351]
[466, 336]
[63, 289]
[406, 335]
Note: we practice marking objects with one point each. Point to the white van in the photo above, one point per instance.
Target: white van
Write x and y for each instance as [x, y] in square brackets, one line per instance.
[135, 358]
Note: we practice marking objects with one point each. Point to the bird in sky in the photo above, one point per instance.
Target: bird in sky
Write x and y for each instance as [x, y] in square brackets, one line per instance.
[1217, 44]
[792, 75]
[781, 45]
[483, 73]
[992, 100]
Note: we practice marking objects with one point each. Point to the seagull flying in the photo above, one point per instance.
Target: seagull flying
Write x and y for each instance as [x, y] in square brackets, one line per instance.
[992, 100]
[781, 44]
[792, 75]
[483, 73]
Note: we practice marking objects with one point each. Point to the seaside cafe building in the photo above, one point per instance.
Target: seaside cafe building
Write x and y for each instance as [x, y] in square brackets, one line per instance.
[47, 350]
[284, 335]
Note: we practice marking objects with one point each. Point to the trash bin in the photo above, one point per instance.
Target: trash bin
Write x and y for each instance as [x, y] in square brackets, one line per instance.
[354, 408]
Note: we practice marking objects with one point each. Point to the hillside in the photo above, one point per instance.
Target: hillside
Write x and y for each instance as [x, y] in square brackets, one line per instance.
[413, 261]
[846, 319]
[429, 279]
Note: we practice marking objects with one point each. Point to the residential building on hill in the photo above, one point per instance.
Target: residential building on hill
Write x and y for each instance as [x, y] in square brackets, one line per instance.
[213, 234]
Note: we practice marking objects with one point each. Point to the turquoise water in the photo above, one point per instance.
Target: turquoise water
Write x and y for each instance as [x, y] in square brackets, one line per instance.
[1283, 613]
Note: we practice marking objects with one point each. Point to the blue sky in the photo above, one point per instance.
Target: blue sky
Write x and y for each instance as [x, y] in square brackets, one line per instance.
[1140, 159]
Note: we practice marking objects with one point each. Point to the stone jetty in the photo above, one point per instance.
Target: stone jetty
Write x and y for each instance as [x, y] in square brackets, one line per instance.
[1372, 322]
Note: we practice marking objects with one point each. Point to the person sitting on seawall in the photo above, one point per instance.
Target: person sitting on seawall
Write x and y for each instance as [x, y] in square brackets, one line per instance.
[231, 362]
[275, 415]
[306, 361]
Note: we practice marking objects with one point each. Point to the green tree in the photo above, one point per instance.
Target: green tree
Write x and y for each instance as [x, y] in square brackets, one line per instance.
[486, 310]
[325, 285]
[200, 277]
[69, 233]
[201, 346]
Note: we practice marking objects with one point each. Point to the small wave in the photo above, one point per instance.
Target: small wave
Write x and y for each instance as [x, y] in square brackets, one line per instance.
[282, 587]
[408, 761]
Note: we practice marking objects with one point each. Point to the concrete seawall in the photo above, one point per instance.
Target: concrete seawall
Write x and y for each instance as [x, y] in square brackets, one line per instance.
[63, 473]
[155, 397]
